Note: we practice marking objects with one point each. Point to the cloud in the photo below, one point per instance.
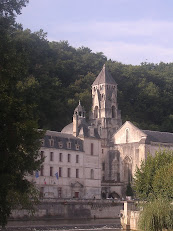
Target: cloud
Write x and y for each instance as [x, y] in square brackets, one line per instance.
[129, 42]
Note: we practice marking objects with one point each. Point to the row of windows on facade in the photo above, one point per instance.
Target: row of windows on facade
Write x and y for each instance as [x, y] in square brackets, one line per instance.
[107, 86]
[60, 144]
[51, 157]
[60, 172]
[68, 156]
[113, 110]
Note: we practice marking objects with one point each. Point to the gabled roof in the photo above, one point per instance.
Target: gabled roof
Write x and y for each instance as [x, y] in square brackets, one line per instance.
[104, 77]
[161, 137]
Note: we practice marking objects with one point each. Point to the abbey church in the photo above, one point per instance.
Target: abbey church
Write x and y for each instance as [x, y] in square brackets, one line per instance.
[96, 158]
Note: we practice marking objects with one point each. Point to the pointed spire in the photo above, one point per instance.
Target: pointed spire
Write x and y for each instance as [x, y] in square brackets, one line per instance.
[104, 77]
[79, 102]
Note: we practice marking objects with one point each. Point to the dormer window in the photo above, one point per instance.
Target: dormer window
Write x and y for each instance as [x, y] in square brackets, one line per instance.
[60, 144]
[77, 146]
[69, 145]
[51, 142]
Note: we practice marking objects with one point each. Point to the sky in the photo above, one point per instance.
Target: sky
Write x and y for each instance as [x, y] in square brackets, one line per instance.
[127, 31]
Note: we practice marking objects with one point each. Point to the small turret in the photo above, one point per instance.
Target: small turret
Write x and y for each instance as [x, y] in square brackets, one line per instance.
[78, 117]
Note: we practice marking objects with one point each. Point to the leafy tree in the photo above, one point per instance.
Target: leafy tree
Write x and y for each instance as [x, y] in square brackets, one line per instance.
[145, 180]
[19, 135]
[129, 190]
[156, 215]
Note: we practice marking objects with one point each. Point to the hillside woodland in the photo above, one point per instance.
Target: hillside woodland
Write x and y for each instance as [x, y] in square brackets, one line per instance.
[61, 75]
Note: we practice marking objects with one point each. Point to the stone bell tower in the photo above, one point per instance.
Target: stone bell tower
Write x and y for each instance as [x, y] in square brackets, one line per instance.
[78, 118]
[105, 114]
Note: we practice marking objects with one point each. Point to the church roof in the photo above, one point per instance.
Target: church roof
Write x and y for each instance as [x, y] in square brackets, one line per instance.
[104, 77]
[156, 136]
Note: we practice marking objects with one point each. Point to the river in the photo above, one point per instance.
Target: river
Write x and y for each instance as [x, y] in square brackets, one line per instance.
[52, 224]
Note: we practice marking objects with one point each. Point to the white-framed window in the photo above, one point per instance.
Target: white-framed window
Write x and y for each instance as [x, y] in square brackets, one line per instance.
[69, 158]
[68, 172]
[77, 173]
[77, 158]
[51, 156]
[60, 157]
[69, 145]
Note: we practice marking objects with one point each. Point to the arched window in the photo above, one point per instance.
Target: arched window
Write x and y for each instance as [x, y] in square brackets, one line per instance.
[127, 169]
[92, 174]
[96, 112]
[127, 135]
[113, 111]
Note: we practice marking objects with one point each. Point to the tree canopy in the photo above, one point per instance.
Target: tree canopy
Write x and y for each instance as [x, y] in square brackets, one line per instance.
[154, 177]
[153, 184]
[19, 134]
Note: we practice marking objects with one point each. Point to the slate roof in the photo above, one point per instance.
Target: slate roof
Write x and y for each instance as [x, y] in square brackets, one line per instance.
[156, 136]
[62, 138]
[104, 77]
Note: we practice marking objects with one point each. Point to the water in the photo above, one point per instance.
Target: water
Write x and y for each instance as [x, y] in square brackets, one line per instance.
[52, 224]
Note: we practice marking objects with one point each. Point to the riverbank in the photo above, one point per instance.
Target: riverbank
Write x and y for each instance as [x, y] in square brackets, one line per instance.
[79, 225]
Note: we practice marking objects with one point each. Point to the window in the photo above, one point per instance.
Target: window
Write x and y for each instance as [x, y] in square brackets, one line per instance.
[51, 171]
[77, 158]
[92, 147]
[42, 171]
[102, 150]
[92, 174]
[127, 135]
[51, 156]
[69, 158]
[42, 155]
[113, 112]
[69, 145]
[51, 142]
[60, 157]
[60, 172]
[77, 146]
[77, 173]
[96, 112]
[68, 172]
[60, 144]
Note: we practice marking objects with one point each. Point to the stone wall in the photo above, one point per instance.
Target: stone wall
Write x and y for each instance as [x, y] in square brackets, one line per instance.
[71, 209]
[129, 216]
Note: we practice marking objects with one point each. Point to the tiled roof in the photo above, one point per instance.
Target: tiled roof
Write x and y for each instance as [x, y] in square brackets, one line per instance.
[104, 77]
[161, 137]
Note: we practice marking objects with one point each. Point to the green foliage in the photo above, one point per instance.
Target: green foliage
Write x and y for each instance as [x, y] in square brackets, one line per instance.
[163, 181]
[19, 135]
[156, 215]
[146, 185]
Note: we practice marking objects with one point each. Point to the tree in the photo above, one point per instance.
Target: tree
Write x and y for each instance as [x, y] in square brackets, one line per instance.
[19, 134]
[156, 215]
[145, 179]
[153, 184]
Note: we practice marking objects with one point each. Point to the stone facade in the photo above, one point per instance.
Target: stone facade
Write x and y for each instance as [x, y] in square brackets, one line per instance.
[99, 156]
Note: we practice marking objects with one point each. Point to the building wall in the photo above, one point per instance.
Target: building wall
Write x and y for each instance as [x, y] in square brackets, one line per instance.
[92, 167]
[79, 172]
